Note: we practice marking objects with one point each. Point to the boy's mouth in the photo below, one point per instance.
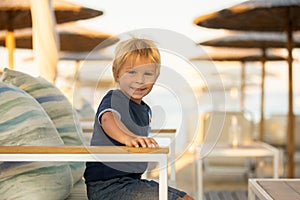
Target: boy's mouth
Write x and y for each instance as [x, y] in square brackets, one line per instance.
[138, 89]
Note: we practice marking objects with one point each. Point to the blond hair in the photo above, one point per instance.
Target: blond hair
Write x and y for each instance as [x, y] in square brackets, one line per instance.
[131, 49]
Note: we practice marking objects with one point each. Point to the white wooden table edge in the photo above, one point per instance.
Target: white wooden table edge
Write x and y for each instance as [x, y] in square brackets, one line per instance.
[114, 156]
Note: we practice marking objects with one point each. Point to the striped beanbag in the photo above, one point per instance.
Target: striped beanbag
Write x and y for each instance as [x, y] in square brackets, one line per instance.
[23, 122]
[56, 105]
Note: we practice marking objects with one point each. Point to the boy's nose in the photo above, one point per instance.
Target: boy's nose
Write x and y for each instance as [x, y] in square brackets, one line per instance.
[140, 78]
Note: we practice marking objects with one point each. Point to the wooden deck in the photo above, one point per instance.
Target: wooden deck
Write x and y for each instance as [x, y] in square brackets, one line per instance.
[226, 195]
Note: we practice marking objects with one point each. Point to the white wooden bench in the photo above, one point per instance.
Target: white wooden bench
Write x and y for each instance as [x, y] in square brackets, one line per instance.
[92, 154]
[158, 134]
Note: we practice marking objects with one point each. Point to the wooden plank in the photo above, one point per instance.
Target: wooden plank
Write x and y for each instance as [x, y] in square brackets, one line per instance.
[294, 185]
[280, 189]
[79, 150]
[171, 131]
[226, 195]
[240, 195]
[213, 195]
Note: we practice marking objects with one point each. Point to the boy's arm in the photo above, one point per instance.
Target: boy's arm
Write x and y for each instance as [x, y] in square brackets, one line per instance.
[113, 126]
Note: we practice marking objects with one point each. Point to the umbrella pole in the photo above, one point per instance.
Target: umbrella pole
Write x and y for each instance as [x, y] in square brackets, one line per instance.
[290, 124]
[45, 39]
[76, 74]
[10, 45]
[262, 97]
[243, 86]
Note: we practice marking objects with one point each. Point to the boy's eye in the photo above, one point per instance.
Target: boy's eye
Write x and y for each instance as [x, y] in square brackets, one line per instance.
[131, 72]
[149, 73]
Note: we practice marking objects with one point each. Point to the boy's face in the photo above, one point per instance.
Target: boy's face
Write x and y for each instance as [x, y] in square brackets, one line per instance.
[137, 78]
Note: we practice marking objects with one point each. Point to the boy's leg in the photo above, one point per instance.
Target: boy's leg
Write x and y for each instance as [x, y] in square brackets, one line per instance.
[127, 188]
[148, 190]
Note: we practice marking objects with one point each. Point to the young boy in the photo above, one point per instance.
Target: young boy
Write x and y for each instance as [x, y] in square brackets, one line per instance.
[122, 119]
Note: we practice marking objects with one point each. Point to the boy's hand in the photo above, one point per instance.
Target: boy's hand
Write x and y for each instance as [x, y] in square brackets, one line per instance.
[145, 142]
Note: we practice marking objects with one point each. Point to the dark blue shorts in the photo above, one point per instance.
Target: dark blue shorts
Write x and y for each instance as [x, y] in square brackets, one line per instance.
[127, 188]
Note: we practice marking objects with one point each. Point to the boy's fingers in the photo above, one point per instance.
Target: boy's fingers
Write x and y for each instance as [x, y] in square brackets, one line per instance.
[153, 143]
[142, 142]
[149, 142]
[134, 143]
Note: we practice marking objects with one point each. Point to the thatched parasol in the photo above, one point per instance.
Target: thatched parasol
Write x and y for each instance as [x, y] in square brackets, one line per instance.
[264, 15]
[16, 14]
[236, 54]
[240, 55]
[72, 37]
[86, 80]
[254, 40]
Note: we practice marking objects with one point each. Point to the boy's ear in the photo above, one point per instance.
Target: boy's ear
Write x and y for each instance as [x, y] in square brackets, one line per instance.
[115, 74]
[117, 78]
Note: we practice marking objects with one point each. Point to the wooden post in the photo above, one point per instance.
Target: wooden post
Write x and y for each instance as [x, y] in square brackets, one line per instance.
[10, 40]
[10, 45]
[262, 97]
[243, 69]
[290, 124]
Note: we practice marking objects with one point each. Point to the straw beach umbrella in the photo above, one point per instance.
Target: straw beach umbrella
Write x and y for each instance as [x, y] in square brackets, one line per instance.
[239, 55]
[87, 80]
[260, 40]
[264, 15]
[236, 54]
[16, 14]
[252, 39]
[72, 38]
[76, 43]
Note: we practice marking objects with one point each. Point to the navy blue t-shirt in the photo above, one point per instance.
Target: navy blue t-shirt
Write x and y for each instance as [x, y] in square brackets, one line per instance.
[136, 118]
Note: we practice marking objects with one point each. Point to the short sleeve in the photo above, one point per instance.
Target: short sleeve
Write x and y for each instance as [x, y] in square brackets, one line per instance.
[106, 106]
[108, 110]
